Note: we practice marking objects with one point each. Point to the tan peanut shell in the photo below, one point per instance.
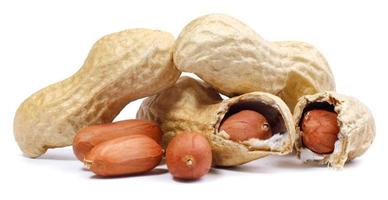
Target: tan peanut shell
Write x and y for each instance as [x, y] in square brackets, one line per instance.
[356, 124]
[235, 60]
[121, 67]
[192, 105]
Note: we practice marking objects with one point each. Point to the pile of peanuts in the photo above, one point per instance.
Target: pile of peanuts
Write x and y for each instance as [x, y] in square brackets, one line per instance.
[280, 99]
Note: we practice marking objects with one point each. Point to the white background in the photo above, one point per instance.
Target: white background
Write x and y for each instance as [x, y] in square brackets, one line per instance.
[42, 42]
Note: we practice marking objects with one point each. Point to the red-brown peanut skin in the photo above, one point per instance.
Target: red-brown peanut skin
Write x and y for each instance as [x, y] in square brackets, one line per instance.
[320, 131]
[126, 155]
[189, 156]
[245, 125]
[91, 136]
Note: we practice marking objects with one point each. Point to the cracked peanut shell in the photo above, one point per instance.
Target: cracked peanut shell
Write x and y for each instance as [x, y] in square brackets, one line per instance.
[356, 128]
[192, 105]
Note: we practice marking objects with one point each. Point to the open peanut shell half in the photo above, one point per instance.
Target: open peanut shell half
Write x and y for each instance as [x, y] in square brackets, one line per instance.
[192, 105]
[356, 128]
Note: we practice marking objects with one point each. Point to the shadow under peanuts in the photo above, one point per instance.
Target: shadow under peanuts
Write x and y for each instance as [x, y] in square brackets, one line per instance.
[295, 163]
[291, 162]
[64, 156]
[154, 172]
[187, 180]
[271, 164]
[163, 161]
[352, 163]
[247, 168]
[59, 154]
[212, 175]
[83, 168]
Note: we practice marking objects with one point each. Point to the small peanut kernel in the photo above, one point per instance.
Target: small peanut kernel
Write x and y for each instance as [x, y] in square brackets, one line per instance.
[320, 131]
[245, 125]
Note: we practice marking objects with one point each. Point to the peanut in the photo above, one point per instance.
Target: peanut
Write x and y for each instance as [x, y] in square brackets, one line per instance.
[245, 125]
[189, 156]
[319, 131]
[356, 129]
[121, 67]
[193, 106]
[235, 60]
[91, 136]
[126, 155]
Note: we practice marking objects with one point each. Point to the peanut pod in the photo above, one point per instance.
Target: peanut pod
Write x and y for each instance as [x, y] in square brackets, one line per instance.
[235, 60]
[356, 128]
[191, 105]
[121, 67]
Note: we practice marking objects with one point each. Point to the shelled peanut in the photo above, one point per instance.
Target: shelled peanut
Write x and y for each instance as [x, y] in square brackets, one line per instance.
[189, 156]
[246, 124]
[125, 155]
[319, 130]
[89, 137]
[132, 147]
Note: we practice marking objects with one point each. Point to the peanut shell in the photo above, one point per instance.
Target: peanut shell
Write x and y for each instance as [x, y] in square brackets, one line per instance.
[191, 105]
[356, 124]
[235, 60]
[120, 68]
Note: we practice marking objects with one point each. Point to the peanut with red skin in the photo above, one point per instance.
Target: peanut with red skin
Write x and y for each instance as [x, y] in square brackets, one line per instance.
[320, 131]
[245, 125]
[126, 155]
[188, 156]
[89, 137]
